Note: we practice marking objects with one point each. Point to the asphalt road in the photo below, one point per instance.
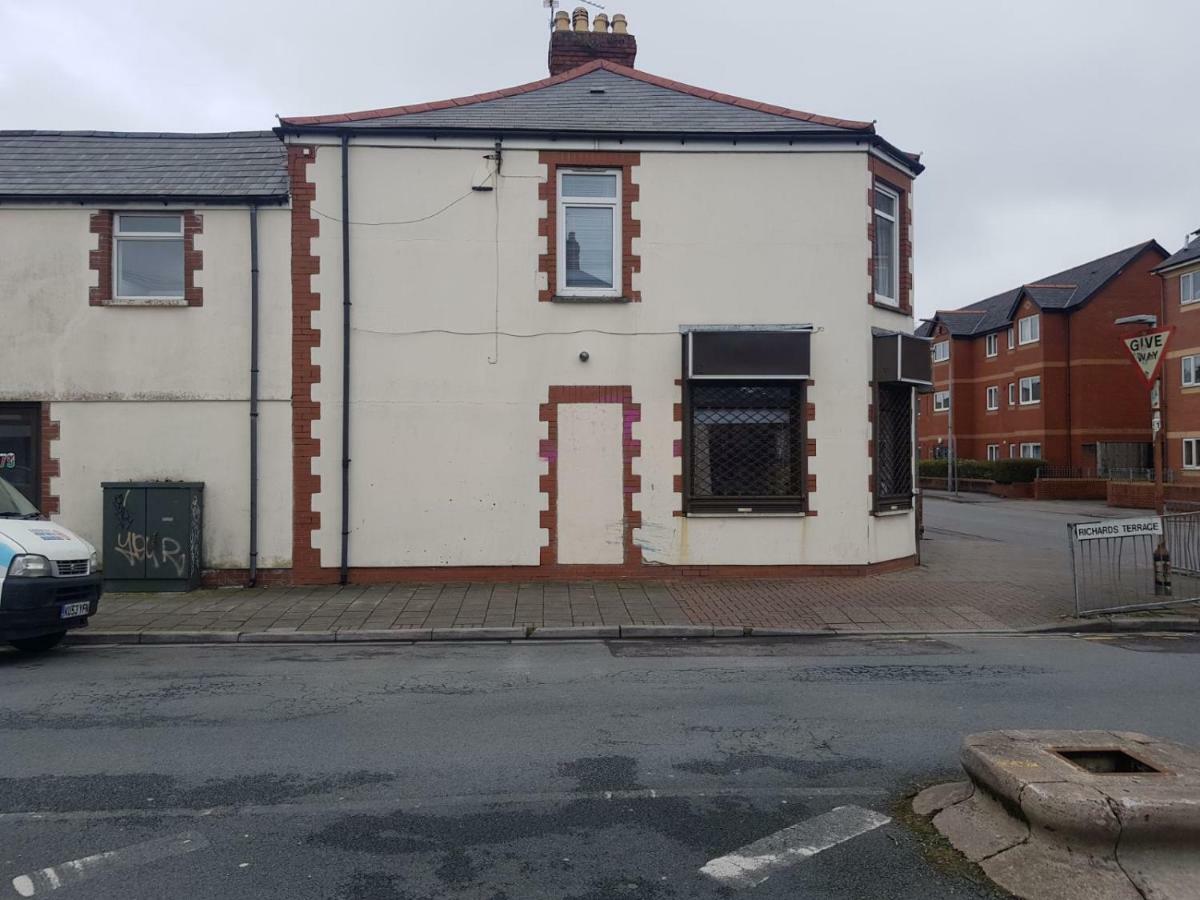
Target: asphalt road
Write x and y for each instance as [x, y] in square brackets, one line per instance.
[584, 771]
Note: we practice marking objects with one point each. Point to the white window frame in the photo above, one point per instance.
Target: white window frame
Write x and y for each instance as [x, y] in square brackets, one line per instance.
[941, 351]
[993, 452]
[993, 344]
[1012, 393]
[880, 297]
[128, 236]
[613, 203]
[1034, 329]
[941, 401]
[1189, 288]
[993, 397]
[1191, 448]
[1027, 384]
[1192, 363]
[1027, 451]
[1012, 340]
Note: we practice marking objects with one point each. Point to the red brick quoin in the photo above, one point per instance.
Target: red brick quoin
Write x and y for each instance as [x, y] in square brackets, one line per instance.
[548, 226]
[101, 259]
[306, 560]
[631, 449]
[50, 467]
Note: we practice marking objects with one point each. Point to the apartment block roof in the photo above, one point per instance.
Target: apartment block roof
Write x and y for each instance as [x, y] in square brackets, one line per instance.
[110, 165]
[1189, 254]
[1059, 292]
[603, 98]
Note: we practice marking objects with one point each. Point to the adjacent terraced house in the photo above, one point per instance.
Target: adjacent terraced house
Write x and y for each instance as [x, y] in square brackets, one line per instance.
[600, 324]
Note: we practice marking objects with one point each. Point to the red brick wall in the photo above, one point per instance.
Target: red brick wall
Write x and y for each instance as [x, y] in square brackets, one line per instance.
[100, 260]
[1182, 404]
[49, 465]
[902, 184]
[571, 49]
[1070, 489]
[548, 227]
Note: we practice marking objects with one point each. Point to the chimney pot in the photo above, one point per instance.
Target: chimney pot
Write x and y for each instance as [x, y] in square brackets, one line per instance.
[600, 23]
[619, 26]
[572, 44]
[562, 20]
[581, 18]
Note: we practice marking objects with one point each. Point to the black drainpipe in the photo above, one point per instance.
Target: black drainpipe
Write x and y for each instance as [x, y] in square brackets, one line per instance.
[345, 576]
[253, 396]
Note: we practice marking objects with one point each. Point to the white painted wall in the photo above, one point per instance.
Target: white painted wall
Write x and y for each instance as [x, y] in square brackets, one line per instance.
[445, 427]
[153, 393]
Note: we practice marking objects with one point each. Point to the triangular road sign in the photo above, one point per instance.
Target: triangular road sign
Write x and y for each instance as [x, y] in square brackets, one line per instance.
[1148, 350]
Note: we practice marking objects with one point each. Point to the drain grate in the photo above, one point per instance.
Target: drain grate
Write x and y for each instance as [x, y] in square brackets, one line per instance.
[1108, 762]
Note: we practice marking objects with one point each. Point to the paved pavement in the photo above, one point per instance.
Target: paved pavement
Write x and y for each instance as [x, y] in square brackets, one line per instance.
[986, 566]
[525, 771]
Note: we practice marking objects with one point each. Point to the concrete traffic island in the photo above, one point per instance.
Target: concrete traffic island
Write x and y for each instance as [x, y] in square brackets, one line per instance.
[1075, 815]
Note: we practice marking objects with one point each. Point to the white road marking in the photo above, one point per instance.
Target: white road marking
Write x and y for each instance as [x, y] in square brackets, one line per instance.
[754, 863]
[65, 874]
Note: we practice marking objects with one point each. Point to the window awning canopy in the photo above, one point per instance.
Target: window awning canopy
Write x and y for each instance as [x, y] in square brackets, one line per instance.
[902, 358]
[747, 351]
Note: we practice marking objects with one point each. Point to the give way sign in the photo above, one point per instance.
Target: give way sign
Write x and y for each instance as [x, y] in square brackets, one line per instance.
[1148, 351]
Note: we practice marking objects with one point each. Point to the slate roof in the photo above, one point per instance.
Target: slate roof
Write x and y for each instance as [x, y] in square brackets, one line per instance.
[1061, 291]
[73, 165]
[1190, 253]
[601, 98]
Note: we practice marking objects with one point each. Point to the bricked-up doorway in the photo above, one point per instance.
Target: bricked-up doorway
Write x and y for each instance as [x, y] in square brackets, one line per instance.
[589, 484]
[21, 449]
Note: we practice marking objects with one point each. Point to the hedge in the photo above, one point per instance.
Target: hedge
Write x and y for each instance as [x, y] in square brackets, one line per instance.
[1001, 471]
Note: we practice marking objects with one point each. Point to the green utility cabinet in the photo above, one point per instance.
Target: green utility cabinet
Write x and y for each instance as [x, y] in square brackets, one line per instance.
[153, 535]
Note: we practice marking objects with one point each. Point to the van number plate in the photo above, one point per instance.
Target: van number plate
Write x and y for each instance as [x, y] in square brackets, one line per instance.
[75, 610]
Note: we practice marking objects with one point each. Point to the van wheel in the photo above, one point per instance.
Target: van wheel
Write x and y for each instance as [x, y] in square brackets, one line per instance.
[39, 644]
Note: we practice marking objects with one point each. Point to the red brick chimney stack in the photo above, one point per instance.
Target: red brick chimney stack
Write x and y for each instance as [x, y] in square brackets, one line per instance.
[572, 44]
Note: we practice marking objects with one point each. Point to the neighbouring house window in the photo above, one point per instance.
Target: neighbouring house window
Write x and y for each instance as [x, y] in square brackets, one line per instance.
[941, 351]
[1011, 343]
[1189, 287]
[589, 233]
[1012, 451]
[1030, 329]
[1031, 451]
[993, 452]
[887, 246]
[148, 257]
[893, 446]
[993, 398]
[993, 344]
[1031, 390]
[1012, 393]
[746, 446]
[1191, 369]
[941, 401]
[1191, 453]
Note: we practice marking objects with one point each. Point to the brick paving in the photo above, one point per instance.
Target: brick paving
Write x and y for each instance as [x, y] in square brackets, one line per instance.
[965, 583]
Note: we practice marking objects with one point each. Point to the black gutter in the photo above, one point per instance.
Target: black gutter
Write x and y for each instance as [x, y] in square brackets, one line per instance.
[253, 579]
[200, 199]
[345, 574]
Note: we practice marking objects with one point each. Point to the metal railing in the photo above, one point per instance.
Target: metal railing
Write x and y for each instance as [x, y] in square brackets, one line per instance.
[1067, 472]
[1136, 474]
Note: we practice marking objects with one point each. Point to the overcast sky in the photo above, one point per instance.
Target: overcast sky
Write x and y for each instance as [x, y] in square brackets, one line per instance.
[1055, 131]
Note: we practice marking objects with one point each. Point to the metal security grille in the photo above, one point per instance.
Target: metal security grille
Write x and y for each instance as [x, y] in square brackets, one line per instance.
[746, 445]
[70, 567]
[893, 445]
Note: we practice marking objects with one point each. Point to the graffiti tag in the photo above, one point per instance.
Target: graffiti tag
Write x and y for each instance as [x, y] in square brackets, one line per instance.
[159, 552]
[8, 460]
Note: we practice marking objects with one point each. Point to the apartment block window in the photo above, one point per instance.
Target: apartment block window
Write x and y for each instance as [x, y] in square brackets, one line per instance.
[993, 344]
[1191, 370]
[1031, 390]
[1189, 288]
[893, 446]
[1011, 342]
[1031, 451]
[993, 398]
[148, 256]
[941, 401]
[993, 452]
[1013, 449]
[746, 446]
[887, 246]
[941, 351]
[1191, 453]
[589, 233]
[1030, 329]
[1012, 393]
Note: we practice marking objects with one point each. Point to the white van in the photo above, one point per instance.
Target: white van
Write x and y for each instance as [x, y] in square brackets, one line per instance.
[49, 578]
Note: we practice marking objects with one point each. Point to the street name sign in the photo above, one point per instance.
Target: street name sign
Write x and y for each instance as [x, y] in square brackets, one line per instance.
[1148, 351]
[1118, 528]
